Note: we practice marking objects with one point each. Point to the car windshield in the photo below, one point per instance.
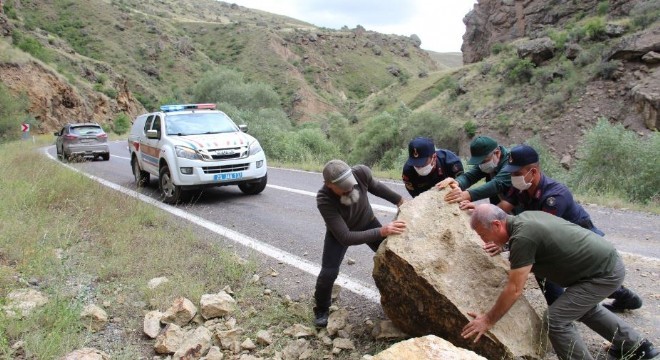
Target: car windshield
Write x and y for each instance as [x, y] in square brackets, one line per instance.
[86, 130]
[199, 123]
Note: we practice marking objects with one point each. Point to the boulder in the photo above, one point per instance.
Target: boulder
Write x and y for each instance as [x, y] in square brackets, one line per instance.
[426, 348]
[430, 276]
[537, 50]
[635, 46]
[646, 96]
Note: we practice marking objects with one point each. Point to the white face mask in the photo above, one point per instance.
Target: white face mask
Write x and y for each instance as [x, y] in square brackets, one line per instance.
[488, 167]
[423, 171]
[519, 183]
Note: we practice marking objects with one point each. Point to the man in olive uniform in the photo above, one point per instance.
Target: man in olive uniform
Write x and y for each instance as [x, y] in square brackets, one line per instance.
[578, 259]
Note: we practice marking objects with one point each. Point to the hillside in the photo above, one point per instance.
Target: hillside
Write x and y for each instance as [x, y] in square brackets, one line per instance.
[546, 70]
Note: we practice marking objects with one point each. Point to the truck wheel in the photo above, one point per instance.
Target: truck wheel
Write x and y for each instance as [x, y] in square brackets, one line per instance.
[141, 176]
[171, 193]
[254, 188]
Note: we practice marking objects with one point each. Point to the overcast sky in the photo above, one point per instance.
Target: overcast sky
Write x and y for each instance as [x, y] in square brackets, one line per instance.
[438, 23]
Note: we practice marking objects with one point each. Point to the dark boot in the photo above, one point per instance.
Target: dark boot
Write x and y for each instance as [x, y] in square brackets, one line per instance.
[645, 350]
[321, 317]
[624, 299]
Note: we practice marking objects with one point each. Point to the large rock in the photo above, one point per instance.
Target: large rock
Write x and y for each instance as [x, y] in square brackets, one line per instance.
[426, 348]
[646, 95]
[433, 274]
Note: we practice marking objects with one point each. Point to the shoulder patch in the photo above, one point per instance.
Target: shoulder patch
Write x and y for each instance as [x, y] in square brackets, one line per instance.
[551, 201]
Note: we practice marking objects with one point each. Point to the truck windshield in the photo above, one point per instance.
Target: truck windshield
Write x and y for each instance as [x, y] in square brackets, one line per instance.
[197, 124]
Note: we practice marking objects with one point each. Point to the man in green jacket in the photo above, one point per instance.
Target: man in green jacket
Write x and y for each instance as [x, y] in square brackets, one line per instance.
[489, 159]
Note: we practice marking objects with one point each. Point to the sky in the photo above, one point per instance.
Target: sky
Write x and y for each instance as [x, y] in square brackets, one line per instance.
[438, 23]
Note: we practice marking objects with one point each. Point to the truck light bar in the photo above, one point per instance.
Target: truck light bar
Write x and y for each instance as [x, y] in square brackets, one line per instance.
[169, 108]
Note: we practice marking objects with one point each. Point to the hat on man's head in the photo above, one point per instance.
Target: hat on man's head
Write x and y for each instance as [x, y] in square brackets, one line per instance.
[480, 148]
[340, 174]
[519, 157]
[419, 150]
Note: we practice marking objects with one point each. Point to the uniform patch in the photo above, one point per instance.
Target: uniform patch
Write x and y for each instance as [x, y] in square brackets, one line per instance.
[551, 201]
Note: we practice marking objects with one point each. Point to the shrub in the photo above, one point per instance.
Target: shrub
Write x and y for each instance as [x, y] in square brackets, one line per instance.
[504, 123]
[644, 14]
[594, 29]
[615, 160]
[499, 47]
[380, 134]
[31, 46]
[607, 69]
[519, 70]
[13, 111]
[230, 87]
[121, 124]
[603, 8]
[470, 128]
[440, 129]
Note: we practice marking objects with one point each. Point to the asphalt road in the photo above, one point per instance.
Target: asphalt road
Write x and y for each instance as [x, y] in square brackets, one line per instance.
[284, 218]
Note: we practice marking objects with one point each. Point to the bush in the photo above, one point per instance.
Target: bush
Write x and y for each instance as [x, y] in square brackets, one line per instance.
[229, 86]
[31, 46]
[13, 111]
[440, 129]
[380, 134]
[607, 69]
[644, 14]
[499, 47]
[121, 124]
[519, 70]
[470, 128]
[615, 160]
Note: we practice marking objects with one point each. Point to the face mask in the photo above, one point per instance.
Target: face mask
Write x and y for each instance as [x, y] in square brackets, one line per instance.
[423, 171]
[488, 167]
[519, 183]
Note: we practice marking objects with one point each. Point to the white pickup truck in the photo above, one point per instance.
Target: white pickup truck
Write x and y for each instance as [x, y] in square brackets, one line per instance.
[192, 146]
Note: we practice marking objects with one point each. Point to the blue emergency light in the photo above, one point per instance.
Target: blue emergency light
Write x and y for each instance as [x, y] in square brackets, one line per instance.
[170, 108]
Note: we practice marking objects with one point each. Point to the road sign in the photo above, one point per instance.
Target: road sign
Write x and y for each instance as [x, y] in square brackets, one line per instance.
[25, 127]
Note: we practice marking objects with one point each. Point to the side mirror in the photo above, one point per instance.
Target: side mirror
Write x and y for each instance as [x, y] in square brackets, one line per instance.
[243, 128]
[153, 134]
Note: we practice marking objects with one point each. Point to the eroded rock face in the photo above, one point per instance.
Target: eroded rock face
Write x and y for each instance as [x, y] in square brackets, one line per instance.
[433, 274]
[497, 21]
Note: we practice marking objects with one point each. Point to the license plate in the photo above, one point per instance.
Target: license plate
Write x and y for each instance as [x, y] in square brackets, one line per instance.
[227, 176]
[86, 140]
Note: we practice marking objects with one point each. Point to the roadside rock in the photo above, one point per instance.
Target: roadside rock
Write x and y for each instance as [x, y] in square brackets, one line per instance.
[426, 348]
[180, 313]
[94, 317]
[433, 274]
[86, 354]
[22, 301]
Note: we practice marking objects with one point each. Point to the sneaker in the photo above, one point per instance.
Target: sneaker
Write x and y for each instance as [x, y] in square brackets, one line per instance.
[321, 318]
[624, 299]
[645, 350]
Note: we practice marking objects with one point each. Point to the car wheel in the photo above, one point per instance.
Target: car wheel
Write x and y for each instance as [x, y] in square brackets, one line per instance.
[171, 193]
[105, 156]
[141, 176]
[254, 188]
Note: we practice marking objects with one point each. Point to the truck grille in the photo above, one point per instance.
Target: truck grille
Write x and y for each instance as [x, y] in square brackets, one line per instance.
[228, 154]
[225, 168]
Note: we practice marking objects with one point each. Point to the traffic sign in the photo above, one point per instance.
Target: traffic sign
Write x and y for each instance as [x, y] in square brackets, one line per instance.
[25, 127]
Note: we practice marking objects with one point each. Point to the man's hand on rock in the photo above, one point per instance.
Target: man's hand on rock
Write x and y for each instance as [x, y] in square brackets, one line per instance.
[456, 195]
[395, 227]
[446, 182]
[467, 206]
[479, 326]
[491, 248]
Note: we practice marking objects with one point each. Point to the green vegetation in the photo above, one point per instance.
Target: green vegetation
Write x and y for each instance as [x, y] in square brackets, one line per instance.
[121, 124]
[77, 258]
[13, 111]
[616, 161]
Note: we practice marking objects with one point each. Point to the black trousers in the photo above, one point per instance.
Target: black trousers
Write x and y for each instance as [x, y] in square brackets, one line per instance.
[333, 255]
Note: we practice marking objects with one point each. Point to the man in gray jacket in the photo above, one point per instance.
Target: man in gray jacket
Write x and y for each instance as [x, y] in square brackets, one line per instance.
[344, 205]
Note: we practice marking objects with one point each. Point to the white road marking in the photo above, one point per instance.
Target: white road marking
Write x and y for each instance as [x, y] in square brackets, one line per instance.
[307, 266]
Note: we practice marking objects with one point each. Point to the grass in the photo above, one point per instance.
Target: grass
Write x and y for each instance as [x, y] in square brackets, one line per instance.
[110, 246]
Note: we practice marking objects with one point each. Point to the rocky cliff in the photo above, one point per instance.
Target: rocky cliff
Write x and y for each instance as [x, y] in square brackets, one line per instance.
[500, 21]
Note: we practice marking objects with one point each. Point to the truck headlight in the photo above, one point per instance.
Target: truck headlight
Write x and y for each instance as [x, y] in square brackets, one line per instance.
[255, 148]
[187, 153]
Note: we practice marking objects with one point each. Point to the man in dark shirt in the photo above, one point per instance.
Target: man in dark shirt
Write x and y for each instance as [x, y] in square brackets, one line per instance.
[427, 166]
[579, 260]
[488, 159]
[532, 190]
[349, 220]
